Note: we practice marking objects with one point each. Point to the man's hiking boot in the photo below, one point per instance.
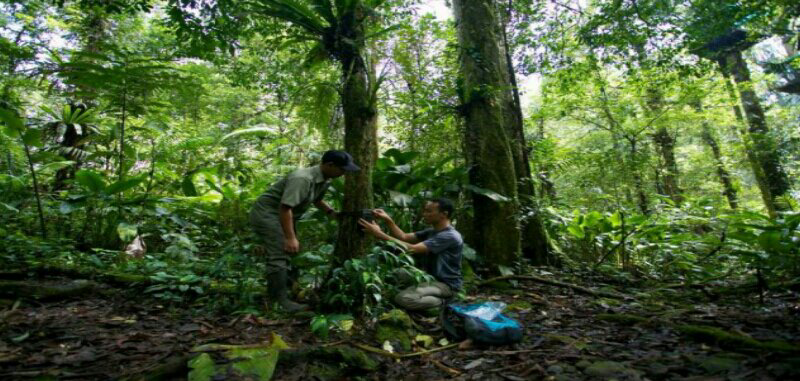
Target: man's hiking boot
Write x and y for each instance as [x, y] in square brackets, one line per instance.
[278, 293]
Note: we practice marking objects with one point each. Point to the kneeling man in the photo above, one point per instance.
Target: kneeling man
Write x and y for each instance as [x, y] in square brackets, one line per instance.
[441, 242]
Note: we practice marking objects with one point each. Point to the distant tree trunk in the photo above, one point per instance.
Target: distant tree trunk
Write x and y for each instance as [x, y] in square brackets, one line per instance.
[722, 173]
[741, 131]
[548, 187]
[484, 95]
[535, 243]
[360, 134]
[666, 148]
[765, 150]
[665, 144]
[638, 182]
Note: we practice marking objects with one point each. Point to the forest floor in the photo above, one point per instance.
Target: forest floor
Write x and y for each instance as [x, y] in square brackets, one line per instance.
[120, 334]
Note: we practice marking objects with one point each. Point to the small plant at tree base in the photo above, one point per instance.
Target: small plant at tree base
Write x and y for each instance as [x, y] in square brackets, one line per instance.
[175, 288]
[359, 284]
[321, 325]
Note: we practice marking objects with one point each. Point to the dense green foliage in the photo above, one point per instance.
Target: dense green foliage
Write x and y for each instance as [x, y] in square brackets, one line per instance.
[164, 120]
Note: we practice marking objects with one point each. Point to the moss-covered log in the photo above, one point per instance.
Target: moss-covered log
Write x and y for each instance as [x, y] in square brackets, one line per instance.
[118, 279]
[710, 335]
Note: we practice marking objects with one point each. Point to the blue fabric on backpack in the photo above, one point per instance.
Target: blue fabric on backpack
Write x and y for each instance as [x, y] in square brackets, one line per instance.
[459, 325]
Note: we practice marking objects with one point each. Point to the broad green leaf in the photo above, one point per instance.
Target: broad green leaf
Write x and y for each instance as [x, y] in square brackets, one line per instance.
[187, 185]
[126, 231]
[616, 219]
[202, 368]
[469, 253]
[400, 199]
[54, 166]
[91, 180]
[123, 185]
[576, 231]
[33, 137]
[592, 218]
[245, 363]
[497, 197]
[770, 241]
[13, 123]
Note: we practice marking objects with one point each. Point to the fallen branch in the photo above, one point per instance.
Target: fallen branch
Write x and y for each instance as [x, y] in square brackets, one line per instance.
[168, 369]
[117, 278]
[574, 287]
[45, 291]
[451, 371]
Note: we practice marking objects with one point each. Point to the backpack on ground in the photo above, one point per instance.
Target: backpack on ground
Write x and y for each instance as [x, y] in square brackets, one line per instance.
[482, 322]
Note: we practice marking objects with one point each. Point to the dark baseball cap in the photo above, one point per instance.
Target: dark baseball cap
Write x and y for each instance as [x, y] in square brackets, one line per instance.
[340, 159]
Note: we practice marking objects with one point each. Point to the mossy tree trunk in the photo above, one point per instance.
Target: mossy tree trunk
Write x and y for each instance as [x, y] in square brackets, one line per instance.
[665, 145]
[775, 180]
[360, 129]
[484, 91]
[535, 243]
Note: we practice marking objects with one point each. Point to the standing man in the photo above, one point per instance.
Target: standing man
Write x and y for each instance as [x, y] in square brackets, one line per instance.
[274, 214]
[441, 242]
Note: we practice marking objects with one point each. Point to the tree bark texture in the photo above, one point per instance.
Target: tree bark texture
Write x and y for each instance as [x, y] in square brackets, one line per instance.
[535, 243]
[484, 92]
[741, 131]
[665, 144]
[360, 136]
[763, 145]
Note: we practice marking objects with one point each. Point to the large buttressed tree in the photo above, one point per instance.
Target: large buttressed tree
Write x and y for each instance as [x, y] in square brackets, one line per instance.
[484, 91]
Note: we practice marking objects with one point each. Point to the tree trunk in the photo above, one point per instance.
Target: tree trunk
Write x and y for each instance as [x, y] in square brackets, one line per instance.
[665, 144]
[666, 148]
[765, 149]
[638, 182]
[36, 194]
[724, 176]
[741, 131]
[360, 136]
[722, 173]
[484, 95]
[535, 243]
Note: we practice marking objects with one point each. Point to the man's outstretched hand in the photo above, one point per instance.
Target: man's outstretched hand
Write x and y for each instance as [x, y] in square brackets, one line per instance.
[380, 213]
[370, 227]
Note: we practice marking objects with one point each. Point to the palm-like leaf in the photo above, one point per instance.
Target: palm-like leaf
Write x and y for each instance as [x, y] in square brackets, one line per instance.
[325, 9]
[311, 18]
[257, 131]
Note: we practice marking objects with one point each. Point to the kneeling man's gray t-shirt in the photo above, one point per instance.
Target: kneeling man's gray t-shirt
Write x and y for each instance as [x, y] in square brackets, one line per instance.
[444, 247]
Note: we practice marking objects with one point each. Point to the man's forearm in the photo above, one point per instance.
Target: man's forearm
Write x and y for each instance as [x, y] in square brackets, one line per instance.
[386, 237]
[287, 224]
[396, 231]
